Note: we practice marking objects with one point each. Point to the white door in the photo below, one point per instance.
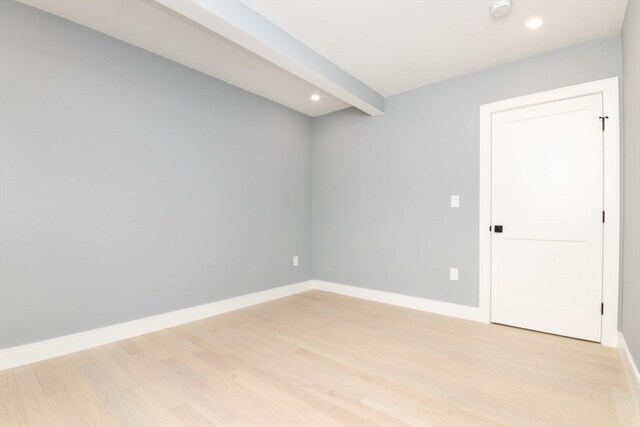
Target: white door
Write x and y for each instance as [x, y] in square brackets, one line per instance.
[547, 196]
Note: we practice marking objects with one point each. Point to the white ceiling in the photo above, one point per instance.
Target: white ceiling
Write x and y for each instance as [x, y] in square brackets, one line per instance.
[380, 47]
[398, 45]
[146, 24]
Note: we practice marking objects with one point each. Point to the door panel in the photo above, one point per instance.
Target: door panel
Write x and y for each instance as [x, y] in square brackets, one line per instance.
[547, 192]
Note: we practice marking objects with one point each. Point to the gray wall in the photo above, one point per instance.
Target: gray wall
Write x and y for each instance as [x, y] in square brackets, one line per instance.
[132, 186]
[631, 238]
[381, 185]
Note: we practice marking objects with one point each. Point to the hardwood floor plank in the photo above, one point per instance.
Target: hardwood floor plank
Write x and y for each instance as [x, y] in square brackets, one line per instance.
[11, 406]
[190, 416]
[102, 358]
[37, 406]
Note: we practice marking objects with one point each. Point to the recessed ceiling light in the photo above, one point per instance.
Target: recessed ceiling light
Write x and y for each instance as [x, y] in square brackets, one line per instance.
[534, 23]
[315, 97]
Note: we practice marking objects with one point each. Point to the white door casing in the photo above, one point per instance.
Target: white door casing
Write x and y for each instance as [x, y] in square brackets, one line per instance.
[608, 91]
[547, 187]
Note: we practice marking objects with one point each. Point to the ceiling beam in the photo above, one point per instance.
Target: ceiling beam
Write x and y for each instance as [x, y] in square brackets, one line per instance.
[245, 27]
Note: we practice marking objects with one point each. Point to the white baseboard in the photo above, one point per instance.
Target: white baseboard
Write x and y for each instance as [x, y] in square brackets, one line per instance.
[42, 350]
[416, 303]
[34, 352]
[633, 375]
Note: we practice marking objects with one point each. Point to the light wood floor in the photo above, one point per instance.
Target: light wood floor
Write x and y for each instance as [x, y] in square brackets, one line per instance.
[326, 360]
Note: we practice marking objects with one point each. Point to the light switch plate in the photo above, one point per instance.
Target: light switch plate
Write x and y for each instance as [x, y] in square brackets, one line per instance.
[455, 201]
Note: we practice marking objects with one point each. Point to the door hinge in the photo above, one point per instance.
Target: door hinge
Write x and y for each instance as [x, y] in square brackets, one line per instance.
[603, 217]
[603, 118]
[601, 308]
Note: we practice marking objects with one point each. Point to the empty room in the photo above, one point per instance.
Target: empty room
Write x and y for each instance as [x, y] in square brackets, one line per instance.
[283, 213]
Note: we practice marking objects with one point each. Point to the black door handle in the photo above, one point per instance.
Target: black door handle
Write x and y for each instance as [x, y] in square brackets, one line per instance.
[497, 228]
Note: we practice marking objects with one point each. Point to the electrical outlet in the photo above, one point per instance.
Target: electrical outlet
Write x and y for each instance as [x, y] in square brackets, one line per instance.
[455, 201]
[453, 274]
[295, 261]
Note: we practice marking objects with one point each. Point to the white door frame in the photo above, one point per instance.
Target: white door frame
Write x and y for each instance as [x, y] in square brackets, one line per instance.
[611, 238]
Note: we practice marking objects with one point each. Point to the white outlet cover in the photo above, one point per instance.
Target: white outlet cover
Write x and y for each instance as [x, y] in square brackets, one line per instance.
[455, 201]
[453, 274]
[295, 261]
